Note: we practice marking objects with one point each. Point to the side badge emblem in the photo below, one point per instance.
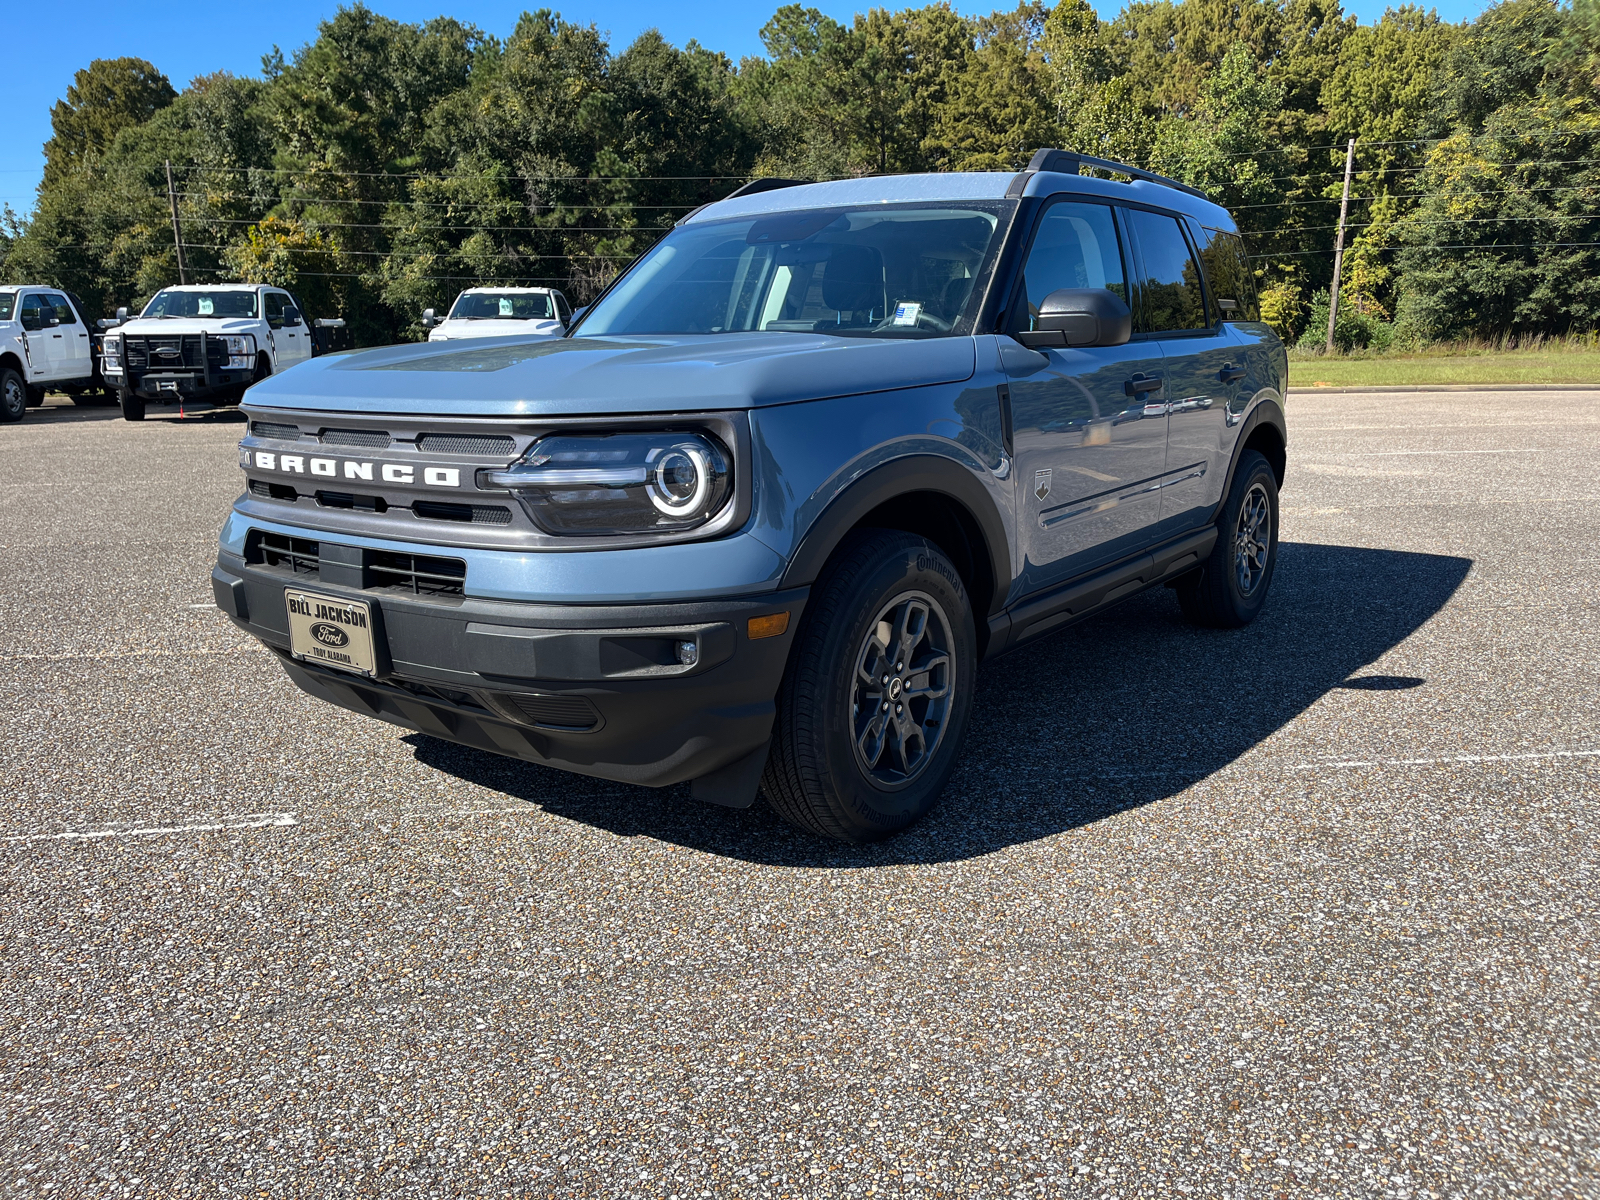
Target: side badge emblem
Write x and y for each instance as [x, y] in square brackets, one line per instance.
[1041, 484]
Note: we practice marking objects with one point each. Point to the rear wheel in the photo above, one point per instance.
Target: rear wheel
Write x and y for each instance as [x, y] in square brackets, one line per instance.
[13, 395]
[874, 703]
[132, 405]
[1230, 589]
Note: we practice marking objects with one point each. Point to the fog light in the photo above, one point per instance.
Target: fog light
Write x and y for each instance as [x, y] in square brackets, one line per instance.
[688, 653]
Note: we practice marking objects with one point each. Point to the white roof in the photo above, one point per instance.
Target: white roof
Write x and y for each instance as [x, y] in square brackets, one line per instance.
[489, 287]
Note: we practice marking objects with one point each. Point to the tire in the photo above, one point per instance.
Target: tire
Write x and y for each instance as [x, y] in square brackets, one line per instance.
[132, 405]
[1228, 592]
[835, 770]
[13, 396]
[35, 397]
[262, 371]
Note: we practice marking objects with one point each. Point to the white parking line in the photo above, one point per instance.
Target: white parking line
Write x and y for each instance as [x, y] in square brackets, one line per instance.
[252, 821]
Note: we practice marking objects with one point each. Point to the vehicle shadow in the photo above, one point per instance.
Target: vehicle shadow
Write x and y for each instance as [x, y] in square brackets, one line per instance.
[59, 410]
[1122, 711]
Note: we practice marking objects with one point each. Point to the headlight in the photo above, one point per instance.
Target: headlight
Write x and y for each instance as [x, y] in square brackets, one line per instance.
[241, 350]
[111, 347]
[620, 483]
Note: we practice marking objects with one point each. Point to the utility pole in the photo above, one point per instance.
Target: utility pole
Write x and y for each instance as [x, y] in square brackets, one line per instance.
[177, 230]
[1338, 245]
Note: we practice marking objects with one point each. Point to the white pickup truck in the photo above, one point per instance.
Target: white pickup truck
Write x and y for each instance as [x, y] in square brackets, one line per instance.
[499, 312]
[208, 341]
[45, 343]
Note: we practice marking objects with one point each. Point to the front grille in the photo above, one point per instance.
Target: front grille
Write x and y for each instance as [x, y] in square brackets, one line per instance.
[273, 491]
[281, 433]
[555, 712]
[419, 574]
[372, 438]
[174, 352]
[373, 504]
[498, 445]
[299, 555]
[478, 514]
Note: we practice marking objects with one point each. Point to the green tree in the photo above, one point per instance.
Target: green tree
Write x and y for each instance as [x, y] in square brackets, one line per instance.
[106, 97]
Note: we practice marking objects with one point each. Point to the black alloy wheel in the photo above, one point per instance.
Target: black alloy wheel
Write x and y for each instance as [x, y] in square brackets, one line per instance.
[13, 396]
[901, 695]
[875, 699]
[1229, 590]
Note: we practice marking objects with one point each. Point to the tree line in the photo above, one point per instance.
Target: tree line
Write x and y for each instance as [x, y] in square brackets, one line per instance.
[386, 165]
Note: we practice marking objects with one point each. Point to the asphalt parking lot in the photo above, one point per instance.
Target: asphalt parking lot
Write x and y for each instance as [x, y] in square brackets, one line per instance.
[1307, 909]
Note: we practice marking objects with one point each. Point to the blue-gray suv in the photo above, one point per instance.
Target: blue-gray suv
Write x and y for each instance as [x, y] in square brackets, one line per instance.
[756, 519]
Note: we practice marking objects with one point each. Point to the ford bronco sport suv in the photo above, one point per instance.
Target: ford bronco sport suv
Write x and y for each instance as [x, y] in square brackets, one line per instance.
[754, 522]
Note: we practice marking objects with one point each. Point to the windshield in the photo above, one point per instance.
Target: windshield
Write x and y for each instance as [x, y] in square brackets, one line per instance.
[863, 272]
[8, 305]
[217, 304]
[498, 306]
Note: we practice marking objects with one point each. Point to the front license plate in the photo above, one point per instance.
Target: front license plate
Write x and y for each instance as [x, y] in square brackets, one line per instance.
[331, 631]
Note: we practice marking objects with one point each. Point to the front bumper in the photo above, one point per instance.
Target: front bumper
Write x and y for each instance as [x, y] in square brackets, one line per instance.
[175, 385]
[594, 689]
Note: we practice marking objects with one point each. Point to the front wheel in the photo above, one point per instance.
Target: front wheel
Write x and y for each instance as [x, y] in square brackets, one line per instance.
[13, 395]
[132, 405]
[1229, 591]
[875, 700]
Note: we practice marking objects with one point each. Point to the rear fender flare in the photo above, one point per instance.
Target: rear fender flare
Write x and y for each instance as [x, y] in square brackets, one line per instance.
[900, 477]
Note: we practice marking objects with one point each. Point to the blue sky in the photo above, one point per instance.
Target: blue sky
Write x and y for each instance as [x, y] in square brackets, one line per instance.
[46, 44]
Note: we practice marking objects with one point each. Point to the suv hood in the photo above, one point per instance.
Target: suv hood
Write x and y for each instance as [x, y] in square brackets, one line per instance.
[216, 328]
[482, 327]
[636, 374]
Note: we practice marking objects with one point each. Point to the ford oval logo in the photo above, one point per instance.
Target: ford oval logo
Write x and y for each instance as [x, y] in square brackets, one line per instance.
[330, 635]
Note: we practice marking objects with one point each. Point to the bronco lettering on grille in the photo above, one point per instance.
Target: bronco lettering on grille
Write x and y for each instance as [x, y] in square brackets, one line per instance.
[299, 464]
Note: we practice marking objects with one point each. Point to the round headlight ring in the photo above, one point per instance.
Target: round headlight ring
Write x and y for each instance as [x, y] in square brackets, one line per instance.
[667, 485]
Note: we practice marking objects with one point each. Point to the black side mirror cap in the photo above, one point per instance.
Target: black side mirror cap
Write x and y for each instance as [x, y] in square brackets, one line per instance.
[1079, 317]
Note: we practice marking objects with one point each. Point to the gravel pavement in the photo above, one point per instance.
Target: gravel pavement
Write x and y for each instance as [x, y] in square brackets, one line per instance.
[1302, 910]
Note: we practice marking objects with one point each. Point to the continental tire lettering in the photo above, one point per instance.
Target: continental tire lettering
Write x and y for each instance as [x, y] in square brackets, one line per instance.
[926, 562]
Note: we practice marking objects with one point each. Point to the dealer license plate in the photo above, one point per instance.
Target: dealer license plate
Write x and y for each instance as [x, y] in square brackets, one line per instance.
[331, 631]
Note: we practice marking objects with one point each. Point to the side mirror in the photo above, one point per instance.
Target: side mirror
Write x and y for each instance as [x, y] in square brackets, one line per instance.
[1079, 317]
[291, 315]
[429, 320]
[51, 322]
[122, 315]
[577, 315]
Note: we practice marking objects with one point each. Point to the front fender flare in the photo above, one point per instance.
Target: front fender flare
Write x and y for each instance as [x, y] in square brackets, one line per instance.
[1266, 411]
[899, 477]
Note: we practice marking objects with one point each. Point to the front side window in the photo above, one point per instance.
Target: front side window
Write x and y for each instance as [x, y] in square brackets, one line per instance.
[202, 305]
[1227, 268]
[34, 311]
[1170, 296]
[1075, 246]
[63, 310]
[272, 307]
[503, 306]
[868, 272]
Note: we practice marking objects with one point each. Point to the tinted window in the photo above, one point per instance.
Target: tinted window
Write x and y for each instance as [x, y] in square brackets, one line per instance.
[877, 271]
[1228, 272]
[33, 310]
[1075, 246]
[63, 310]
[8, 305]
[1169, 292]
[272, 306]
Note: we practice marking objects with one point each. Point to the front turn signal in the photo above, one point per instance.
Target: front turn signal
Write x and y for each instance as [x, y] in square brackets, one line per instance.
[769, 626]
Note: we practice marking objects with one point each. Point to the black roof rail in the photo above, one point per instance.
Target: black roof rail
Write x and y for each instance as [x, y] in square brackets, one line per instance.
[1067, 163]
[769, 183]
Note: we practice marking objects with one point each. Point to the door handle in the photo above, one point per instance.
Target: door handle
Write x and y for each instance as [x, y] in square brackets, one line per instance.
[1140, 384]
[55, 335]
[1229, 373]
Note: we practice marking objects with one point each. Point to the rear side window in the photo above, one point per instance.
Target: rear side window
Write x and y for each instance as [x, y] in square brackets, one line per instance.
[1075, 246]
[1170, 296]
[1228, 272]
